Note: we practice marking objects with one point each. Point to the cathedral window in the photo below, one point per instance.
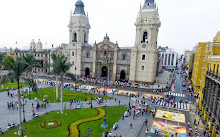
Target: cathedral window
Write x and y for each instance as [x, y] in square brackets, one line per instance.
[105, 53]
[87, 54]
[143, 57]
[142, 68]
[72, 53]
[123, 57]
[74, 37]
[73, 63]
[85, 41]
[145, 35]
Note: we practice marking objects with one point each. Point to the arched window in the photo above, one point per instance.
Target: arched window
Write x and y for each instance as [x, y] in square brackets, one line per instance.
[72, 53]
[145, 37]
[142, 68]
[75, 37]
[85, 41]
[105, 53]
[143, 57]
[87, 54]
[123, 57]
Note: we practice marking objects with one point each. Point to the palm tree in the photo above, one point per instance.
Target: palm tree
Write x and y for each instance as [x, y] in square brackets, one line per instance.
[32, 63]
[4, 79]
[61, 67]
[55, 71]
[17, 67]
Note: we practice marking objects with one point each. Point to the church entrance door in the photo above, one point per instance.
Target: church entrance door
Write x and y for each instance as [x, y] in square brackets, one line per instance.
[104, 71]
[122, 75]
[87, 72]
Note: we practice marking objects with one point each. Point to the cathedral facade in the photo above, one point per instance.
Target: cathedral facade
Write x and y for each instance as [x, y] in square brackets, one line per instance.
[107, 59]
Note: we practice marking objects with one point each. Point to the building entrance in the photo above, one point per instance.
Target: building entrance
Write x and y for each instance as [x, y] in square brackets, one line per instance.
[104, 71]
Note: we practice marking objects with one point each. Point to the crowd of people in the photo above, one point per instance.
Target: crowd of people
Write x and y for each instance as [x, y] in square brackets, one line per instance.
[12, 104]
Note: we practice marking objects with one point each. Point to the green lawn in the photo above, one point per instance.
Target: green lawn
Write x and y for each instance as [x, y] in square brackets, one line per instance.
[11, 85]
[49, 94]
[34, 129]
[114, 114]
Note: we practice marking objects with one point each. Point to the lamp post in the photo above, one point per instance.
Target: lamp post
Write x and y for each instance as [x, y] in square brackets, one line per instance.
[23, 111]
[76, 81]
[85, 93]
[105, 125]
[29, 92]
[91, 98]
[129, 103]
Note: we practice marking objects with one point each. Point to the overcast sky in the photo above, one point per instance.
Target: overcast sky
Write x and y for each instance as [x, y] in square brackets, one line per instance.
[183, 22]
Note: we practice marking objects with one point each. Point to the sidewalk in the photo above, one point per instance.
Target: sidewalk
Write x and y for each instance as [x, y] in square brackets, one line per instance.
[201, 127]
[124, 128]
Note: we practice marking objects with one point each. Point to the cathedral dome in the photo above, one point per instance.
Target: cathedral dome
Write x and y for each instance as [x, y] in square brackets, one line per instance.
[149, 4]
[79, 8]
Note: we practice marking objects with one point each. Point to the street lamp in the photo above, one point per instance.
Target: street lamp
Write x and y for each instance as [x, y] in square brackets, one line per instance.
[105, 125]
[85, 93]
[75, 89]
[23, 111]
[91, 98]
[129, 104]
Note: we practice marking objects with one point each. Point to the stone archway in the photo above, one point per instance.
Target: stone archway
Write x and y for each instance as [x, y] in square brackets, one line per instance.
[87, 72]
[122, 75]
[104, 71]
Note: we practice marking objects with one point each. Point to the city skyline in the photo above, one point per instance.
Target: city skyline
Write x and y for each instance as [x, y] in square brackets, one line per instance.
[180, 30]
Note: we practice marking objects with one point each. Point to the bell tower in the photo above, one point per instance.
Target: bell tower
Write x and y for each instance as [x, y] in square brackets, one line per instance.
[144, 54]
[78, 36]
[79, 26]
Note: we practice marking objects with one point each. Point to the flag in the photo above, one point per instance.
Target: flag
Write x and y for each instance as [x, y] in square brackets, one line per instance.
[16, 42]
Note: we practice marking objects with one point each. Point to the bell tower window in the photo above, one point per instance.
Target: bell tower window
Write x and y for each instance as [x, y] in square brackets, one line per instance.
[105, 53]
[74, 37]
[85, 41]
[87, 54]
[145, 35]
[143, 57]
[123, 57]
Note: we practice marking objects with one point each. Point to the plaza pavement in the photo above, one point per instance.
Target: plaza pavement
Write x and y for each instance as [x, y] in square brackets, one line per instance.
[9, 116]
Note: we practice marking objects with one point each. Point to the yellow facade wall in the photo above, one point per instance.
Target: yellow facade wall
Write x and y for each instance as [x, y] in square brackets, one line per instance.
[197, 66]
[191, 62]
[212, 63]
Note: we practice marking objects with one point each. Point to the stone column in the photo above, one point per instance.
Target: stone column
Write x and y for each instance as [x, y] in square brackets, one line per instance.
[94, 63]
[208, 93]
[218, 112]
[215, 100]
[115, 59]
[205, 93]
[211, 98]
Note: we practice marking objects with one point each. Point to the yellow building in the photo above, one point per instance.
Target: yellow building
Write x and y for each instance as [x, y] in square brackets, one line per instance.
[11, 54]
[197, 66]
[209, 92]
